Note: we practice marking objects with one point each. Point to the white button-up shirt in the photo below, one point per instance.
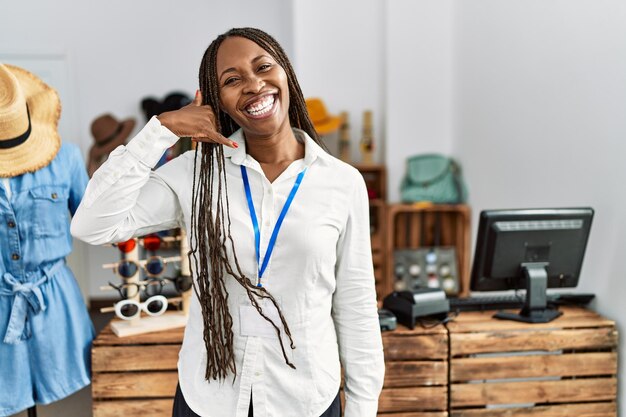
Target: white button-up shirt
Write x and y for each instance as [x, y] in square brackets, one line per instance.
[320, 273]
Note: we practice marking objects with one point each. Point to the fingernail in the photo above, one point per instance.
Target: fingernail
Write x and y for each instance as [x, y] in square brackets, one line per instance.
[197, 91]
[235, 144]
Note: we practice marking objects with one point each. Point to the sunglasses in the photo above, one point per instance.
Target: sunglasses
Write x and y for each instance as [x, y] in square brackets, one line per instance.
[150, 287]
[182, 283]
[130, 309]
[154, 266]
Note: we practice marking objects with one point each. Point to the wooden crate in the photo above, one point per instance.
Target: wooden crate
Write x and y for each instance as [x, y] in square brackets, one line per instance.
[375, 177]
[135, 375]
[378, 211]
[404, 223]
[416, 375]
[567, 367]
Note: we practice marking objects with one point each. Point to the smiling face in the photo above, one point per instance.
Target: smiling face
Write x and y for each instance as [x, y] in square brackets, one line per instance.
[253, 88]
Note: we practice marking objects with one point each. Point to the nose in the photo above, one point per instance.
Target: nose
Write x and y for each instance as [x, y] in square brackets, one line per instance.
[253, 84]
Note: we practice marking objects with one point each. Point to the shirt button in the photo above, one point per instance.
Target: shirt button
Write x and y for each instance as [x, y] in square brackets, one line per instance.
[257, 373]
[15, 257]
[11, 224]
[54, 196]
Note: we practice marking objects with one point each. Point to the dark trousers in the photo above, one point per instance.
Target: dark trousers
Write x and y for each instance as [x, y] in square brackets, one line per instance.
[181, 409]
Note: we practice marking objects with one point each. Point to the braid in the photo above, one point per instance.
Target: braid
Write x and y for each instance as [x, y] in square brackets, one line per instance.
[210, 226]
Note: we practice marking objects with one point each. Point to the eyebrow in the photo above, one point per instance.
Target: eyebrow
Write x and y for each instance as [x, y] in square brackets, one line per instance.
[232, 69]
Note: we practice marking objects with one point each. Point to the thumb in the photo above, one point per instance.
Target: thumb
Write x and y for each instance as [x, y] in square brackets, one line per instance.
[197, 101]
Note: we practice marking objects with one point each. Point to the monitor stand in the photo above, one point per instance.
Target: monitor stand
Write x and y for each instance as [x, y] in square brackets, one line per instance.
[535, 308]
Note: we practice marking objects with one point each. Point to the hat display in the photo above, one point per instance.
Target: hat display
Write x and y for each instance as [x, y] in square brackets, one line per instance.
[29, 118]
[173, 101]
[108, 134]
[323, 122]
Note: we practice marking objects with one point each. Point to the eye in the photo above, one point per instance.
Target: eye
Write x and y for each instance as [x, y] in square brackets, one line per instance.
[264, 67]
[230, 80]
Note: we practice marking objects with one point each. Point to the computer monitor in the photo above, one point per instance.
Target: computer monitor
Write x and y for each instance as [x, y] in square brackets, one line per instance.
[532, 249]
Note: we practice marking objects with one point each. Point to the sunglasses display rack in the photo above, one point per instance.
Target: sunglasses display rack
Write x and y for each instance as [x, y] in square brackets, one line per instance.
[185, 271]
[147, 277]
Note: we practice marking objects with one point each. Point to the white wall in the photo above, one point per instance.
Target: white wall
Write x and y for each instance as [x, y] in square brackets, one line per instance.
[540, 105]
[530, 95]
[338, 49]
[418, 100]
[118, 52]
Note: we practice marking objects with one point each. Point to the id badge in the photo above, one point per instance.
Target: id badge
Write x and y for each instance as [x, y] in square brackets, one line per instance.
[253, 324]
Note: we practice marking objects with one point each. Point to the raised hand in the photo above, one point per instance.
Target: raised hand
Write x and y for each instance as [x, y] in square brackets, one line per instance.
[196, 121]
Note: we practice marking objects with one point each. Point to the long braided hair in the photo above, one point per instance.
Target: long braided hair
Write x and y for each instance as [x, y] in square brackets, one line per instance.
[210, 227]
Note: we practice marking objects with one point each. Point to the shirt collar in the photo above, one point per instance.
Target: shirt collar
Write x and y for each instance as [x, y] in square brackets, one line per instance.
[312, 150]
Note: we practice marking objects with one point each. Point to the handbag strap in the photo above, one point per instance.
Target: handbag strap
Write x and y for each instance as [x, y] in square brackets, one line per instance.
[437, 178]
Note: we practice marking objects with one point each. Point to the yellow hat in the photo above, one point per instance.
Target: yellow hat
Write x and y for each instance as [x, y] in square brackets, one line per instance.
[29, 116]
[323, 122]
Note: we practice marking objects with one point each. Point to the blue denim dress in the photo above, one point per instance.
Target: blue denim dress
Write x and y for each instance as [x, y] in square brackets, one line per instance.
[45, 329]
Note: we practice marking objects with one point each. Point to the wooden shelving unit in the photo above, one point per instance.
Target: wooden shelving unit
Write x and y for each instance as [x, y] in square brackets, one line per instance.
[376, 180]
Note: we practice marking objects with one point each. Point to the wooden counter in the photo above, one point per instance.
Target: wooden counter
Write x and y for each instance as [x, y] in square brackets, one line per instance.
[475, 366]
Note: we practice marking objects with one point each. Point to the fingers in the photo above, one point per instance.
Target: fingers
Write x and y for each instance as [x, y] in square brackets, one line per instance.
[209, 134]
[197, 101]
[214, 137]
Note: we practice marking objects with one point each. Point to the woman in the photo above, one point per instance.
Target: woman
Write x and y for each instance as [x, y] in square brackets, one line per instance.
[272, 314]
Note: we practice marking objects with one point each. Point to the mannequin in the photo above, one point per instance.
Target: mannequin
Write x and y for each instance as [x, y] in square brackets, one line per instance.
[45, 329]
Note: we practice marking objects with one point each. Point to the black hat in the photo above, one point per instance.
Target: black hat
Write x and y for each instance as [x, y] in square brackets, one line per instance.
[173, 101]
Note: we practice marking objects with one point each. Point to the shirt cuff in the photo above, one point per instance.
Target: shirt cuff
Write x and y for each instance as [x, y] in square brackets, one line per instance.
[151, 142]
[360, 408]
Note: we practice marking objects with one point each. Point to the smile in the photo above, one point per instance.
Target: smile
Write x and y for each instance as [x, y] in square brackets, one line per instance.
[261, 107]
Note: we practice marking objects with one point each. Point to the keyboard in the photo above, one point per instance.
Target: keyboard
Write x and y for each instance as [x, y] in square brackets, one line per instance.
[513, 301]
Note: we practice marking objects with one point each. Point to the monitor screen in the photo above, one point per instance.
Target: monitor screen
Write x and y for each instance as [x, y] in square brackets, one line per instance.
[507, 239]
[532, 249]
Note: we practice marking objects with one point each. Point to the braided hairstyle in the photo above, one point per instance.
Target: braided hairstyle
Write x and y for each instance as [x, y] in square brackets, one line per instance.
[210, 227]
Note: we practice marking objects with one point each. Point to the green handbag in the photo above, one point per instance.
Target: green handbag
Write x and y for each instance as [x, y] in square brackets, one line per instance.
[435, 178]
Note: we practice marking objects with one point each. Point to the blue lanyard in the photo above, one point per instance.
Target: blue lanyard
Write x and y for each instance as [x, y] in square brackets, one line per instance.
[255, 223]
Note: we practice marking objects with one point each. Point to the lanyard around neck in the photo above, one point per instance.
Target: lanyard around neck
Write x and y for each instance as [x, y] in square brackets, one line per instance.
[255, 223]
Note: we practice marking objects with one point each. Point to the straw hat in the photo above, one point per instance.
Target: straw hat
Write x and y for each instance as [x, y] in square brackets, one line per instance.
[323, 122]
[108, 133]
[29, 116]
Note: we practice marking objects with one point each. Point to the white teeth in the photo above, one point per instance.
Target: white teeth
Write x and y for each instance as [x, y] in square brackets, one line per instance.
[262, 106]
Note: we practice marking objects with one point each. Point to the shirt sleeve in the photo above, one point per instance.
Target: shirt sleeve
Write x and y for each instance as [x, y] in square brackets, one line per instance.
[125, 198]
[78, 180]
[355, 311]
